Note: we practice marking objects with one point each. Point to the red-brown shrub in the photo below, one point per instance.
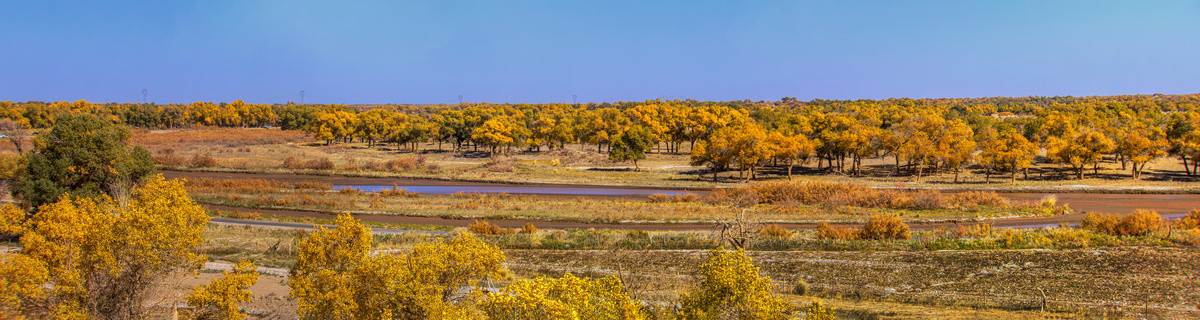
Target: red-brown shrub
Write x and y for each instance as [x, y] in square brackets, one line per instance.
[826, 231]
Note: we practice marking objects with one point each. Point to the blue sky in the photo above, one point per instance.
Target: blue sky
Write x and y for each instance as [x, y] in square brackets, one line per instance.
[545, 51]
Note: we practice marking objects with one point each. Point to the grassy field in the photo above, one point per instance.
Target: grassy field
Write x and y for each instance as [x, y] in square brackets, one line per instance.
[1140, 278]
[267, 150]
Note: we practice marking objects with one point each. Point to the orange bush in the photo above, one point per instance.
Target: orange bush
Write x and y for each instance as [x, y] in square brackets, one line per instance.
[529, 228]
[775, 231]
[1190, 221]
[1138, 223]
[885, 226]
[314, 164]
[826, 231]
[977, 231]
[202, 161]
[488, 229]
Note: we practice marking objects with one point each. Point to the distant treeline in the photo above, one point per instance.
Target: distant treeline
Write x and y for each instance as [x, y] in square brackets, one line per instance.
[922, 135]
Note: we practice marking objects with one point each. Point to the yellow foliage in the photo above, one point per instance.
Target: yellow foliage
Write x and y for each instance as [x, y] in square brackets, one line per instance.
[566, 298]
[732, 289]
[335, 276]
[818, 311]
[219, 299]
[21, 286]
[102, 256]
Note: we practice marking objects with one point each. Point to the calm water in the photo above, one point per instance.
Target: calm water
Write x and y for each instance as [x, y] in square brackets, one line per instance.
[519, 190]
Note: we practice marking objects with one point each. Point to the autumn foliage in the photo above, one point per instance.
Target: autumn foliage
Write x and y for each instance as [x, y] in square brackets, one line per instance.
[98, 257]
[1138, 223]
[731, 288]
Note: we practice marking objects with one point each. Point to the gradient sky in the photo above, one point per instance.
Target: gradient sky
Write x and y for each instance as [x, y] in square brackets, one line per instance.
[545, 51]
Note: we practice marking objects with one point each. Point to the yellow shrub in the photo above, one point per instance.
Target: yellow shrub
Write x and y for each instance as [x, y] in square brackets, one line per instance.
[885, 226]
[1101, 223]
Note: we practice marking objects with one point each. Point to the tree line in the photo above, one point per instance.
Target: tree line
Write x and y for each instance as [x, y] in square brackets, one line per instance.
[921, 136]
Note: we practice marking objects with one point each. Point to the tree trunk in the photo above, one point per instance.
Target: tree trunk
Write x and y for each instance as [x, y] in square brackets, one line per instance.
[1186, 169]
[789, 171]
[897, 173]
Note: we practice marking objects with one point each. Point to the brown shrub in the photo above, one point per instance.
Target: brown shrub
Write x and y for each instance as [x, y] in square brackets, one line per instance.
[488, 229]
[826, 231]
[401, 165]
[686, 197]
[314, 164]
[775, 231]
[529, 228]
[397, 191]
[496, 165]
[167, 157]
[885, 226]
[202, 161]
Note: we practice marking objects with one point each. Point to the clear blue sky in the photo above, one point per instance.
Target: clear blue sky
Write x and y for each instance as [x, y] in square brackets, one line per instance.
[545, 51]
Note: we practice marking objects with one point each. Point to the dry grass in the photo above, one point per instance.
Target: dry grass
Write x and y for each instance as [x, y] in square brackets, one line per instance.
[481, 206]
[1134, 282]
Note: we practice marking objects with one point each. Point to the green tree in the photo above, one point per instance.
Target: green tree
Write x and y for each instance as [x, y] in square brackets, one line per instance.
[731, 288]
[83, 156]
[631, 145]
